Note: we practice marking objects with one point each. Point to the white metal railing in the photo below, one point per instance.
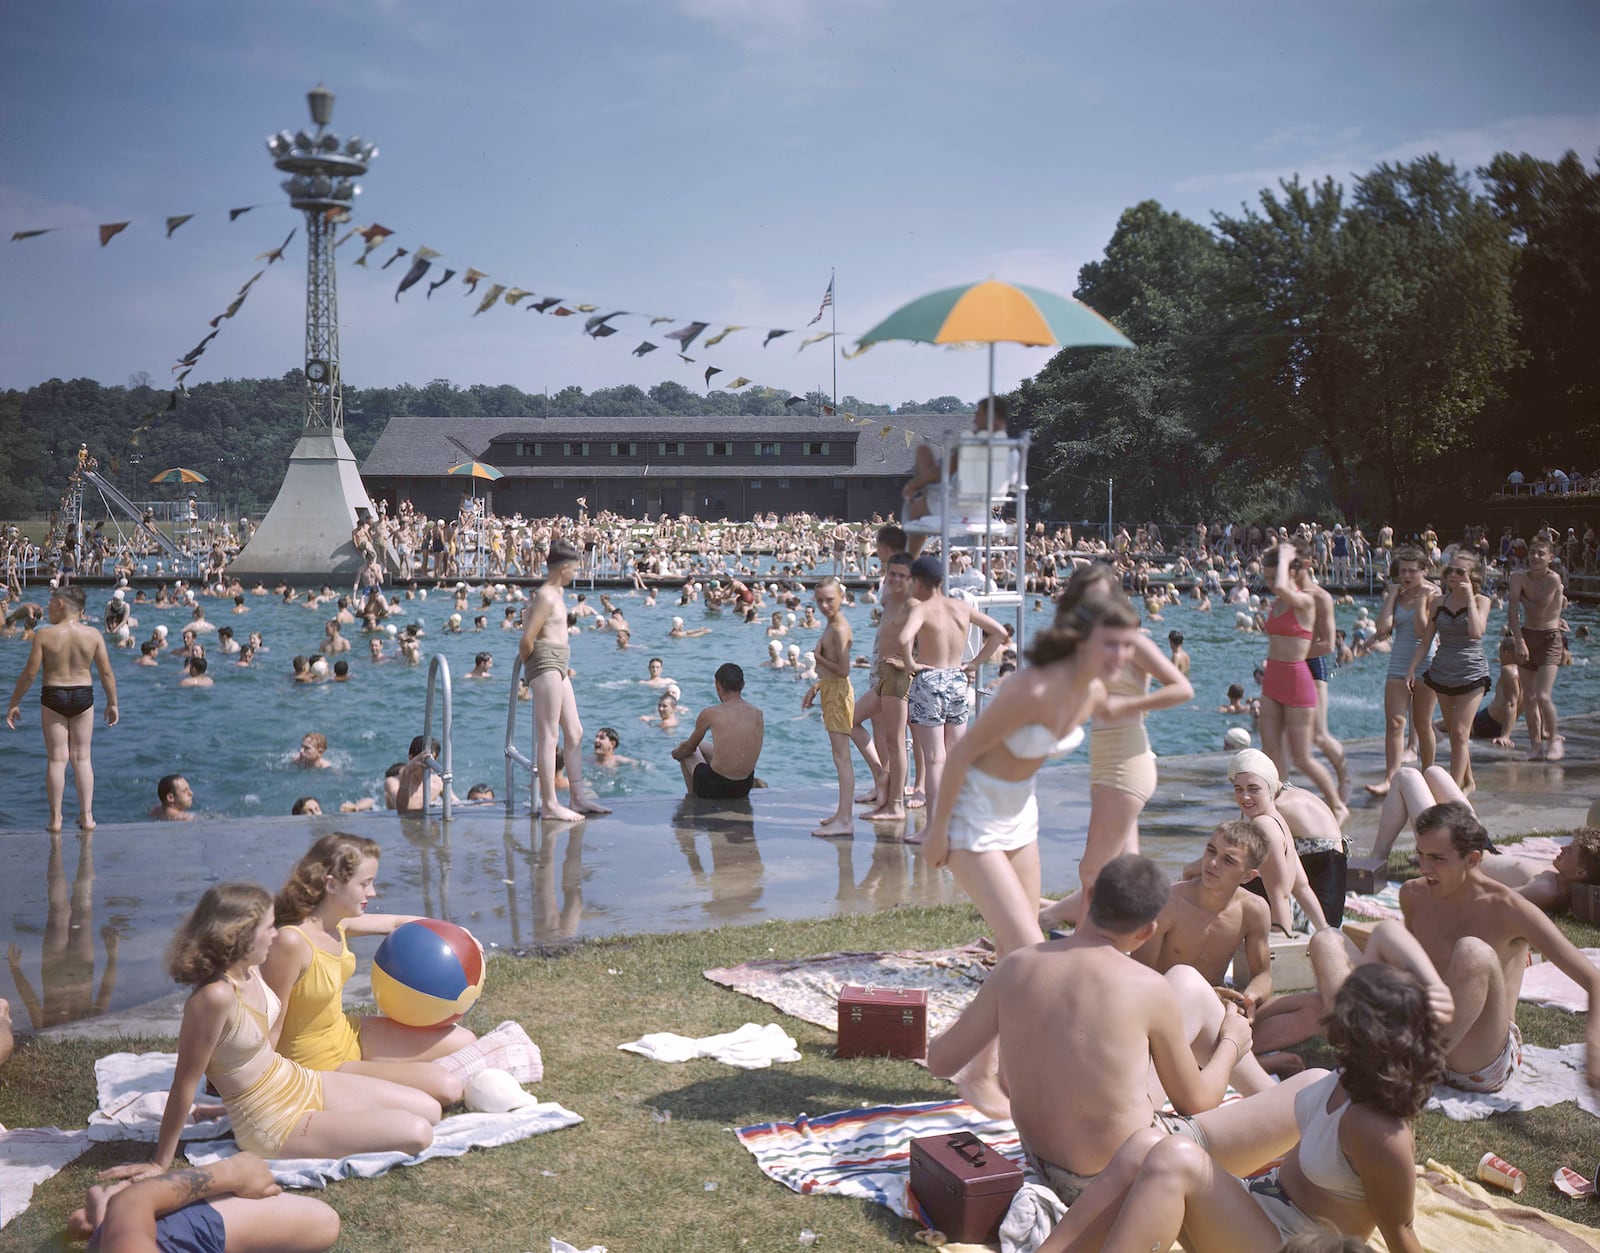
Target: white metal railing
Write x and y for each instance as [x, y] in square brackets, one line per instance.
[438, 670]
[515, 757]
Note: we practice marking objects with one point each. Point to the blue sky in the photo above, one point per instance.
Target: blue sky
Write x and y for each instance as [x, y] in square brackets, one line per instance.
[706, 159]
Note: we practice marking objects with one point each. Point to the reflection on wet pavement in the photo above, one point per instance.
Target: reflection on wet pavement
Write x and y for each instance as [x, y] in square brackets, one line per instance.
[654, 865]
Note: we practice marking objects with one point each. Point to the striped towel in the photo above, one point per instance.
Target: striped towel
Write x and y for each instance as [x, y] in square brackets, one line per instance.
[866, 1152]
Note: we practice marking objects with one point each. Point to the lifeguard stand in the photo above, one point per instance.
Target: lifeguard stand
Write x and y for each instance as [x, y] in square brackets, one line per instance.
[983, 477]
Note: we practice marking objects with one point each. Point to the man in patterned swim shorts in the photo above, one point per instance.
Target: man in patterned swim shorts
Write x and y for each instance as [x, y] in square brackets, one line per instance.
[937, 699]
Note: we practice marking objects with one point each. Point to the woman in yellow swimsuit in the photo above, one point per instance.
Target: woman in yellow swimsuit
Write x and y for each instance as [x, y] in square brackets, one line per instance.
[278, 1108]
[323, 903]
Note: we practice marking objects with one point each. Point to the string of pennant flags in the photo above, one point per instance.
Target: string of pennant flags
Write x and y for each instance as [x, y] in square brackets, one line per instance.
[185, 364]
[110, 230]
[596, 325]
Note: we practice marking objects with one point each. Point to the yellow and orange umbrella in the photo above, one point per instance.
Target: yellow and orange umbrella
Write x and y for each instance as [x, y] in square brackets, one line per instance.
[178, 474]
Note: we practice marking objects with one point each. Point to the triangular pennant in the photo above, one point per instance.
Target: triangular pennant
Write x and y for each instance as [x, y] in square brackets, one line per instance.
[772, 335]
[516, 294]
[174, 223]
[438, 283]
[16, 235]
[110, 231]
[907, 434]
[710, 370]
[251, 281]
[587, 308]
[549, 302]
[601, 331]
[419, 267]
[181, 377]
[600, 320]
[562, 312]
[884, 433]
[793, 401]
[657, 321]
[492, 295]
[645, 347]
[277, 253]
[851, 356]
[685, 335]
[723, 334]
[829, 410]
[398, 253]
[336, 215]
[470, 279]
[235, 214]
[374, 234]
[428, 254]
[739, 382]
[685, 357]
[814, 339]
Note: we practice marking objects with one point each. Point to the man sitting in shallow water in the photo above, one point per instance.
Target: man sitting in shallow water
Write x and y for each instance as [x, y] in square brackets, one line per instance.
[724, 769]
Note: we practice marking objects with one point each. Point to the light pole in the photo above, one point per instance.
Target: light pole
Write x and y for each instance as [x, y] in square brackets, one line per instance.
[308, 528]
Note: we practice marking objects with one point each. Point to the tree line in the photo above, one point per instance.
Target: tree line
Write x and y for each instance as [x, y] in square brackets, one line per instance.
[1389, 353]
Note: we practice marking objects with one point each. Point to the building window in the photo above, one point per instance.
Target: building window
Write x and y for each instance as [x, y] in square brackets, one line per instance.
[574, 450]
[783, 485]
[719, 450]
[624, 450]
[530, 450]
[769, 450]
[816, 450]
[755, 485]
[669, 450]
[557, 484]
[838, 485]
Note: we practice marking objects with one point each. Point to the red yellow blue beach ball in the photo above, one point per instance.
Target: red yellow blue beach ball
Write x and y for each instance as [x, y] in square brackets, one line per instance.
[427, 973]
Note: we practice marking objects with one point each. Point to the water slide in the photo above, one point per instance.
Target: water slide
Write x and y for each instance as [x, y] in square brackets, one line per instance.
[114, 496]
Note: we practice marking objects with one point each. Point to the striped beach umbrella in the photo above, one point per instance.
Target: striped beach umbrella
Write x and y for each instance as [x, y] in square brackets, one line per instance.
[178, 474]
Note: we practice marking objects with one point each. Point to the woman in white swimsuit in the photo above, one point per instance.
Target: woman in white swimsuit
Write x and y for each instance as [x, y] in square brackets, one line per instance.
[985, 823]
[1352, 1172]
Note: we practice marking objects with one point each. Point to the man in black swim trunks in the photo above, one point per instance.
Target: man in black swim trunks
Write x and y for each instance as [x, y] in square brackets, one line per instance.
[725, 768]
[66, 651]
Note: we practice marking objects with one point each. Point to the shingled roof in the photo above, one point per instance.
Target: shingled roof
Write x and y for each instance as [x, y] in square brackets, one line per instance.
[422, 447]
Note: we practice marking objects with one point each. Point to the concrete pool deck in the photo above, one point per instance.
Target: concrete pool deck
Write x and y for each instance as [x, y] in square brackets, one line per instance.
[91, 916]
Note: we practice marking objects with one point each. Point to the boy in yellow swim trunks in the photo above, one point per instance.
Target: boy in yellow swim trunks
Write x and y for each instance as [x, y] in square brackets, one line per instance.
[838, 701]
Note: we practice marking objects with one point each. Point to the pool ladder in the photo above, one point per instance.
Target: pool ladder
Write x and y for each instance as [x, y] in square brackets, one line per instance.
[515, 757]
[438, 671]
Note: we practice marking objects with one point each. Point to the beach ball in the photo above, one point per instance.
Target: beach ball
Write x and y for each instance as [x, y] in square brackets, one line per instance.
[427, 973]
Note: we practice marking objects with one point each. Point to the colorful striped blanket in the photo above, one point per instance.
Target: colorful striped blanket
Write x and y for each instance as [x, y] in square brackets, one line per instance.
[866, 1153]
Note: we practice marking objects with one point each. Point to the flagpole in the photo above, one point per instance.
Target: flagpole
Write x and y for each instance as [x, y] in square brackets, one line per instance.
[835, 340]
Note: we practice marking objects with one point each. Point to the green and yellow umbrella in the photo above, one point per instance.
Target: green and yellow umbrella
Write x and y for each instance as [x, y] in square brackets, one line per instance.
[178, 474]
[474, 470]
[993, 313]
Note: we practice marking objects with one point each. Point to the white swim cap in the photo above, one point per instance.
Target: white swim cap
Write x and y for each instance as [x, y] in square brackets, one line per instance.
[674, 691]
[422, 593]
[677, 624]
[788, 619]
[774, 647]
[119, 594]
[455, 619]
[794, 650]
[161, 630]
[1254, 761]
[124, 632]
[1236, 738]
[390, 629]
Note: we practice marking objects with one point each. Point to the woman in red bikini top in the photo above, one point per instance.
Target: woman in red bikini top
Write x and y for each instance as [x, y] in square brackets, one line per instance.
[1288, 692]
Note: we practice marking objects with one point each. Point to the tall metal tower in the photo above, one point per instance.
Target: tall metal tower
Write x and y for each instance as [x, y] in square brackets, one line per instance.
[307, 530]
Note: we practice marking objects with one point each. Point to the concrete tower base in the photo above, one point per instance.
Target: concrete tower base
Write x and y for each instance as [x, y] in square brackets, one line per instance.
[306, 533]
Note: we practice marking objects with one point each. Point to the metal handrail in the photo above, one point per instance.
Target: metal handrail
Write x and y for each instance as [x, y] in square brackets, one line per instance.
[515, 757]
[438, 668]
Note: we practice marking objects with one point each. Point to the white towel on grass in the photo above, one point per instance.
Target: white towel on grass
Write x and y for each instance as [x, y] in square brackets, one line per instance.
[1545, 983]
[451, 1138]
[1546, 1077]
[29, 1156]
[749, 1048]
[131, 1091]
[1034, 1213]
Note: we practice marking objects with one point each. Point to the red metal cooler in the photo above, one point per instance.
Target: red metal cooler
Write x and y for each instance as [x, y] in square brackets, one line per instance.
[883, 1022]
[964, 1186]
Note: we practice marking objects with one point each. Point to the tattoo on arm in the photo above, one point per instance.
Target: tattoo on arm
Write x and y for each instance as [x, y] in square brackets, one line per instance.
[194, 1183]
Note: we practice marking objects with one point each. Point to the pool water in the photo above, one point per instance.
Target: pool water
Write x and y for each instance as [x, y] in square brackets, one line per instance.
[235, 741]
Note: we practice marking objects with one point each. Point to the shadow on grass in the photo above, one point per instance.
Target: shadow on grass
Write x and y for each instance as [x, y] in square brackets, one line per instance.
[743, 1098]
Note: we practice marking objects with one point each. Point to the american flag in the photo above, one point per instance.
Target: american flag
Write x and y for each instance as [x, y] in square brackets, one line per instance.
[827, 299]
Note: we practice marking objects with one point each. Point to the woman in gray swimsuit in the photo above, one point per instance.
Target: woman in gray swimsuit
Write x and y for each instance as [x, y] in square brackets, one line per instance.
[1459, 672]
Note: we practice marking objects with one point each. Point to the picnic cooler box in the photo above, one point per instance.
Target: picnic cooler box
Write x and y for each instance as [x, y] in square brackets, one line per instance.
[964, 1186]
[883, 1022]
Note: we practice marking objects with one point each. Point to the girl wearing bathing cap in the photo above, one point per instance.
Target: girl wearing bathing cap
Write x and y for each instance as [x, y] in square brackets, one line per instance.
[1277, 812]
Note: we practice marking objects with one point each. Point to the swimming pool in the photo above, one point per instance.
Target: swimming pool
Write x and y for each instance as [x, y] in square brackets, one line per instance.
[235, 741]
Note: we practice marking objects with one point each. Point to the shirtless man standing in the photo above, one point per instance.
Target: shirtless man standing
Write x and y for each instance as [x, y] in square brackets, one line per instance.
[66, 652]
[725, 769]
[893, 684]
[1320, 661]
[1533, 613]
[937, 698]
[544, 655]
[838, 701]
[1081, 1026]
[889, 541]
[1467, 939]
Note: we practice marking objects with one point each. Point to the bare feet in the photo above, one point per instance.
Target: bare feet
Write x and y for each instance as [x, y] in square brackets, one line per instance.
[887, 813]
[591, 807]
[868, 798]
[836, 826]
[1341, 813]
[1344, 788]
[560, 813]
[1535, 752]
[1557, 749]
[86, 822]
[916, 801]
[53, 827]
[1378, 789]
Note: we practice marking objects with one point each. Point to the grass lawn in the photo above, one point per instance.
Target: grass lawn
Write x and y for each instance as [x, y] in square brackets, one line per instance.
[632, 1178]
